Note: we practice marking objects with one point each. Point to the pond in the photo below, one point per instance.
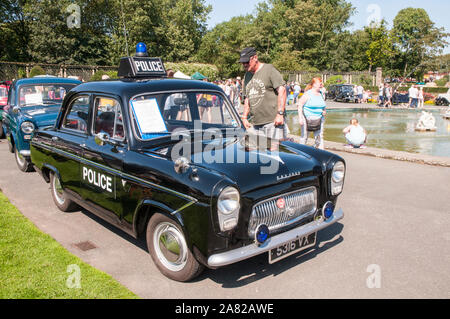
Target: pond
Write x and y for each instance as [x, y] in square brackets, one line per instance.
[392, 129]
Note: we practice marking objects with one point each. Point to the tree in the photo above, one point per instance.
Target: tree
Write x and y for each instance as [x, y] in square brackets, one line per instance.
[417, 39]
[221, 46]
[54, 39]
[379, 48]
[14, 30]
[172, 29]
[313, 27]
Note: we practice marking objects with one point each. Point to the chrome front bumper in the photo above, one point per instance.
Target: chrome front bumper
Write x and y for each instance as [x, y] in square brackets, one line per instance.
[25, 153]
[233, 256]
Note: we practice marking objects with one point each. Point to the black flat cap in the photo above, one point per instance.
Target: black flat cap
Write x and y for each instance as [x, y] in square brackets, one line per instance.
[246, 54]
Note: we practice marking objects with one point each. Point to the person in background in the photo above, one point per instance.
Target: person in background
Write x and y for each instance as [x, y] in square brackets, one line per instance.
[360, 93]
[355, 134]
[297, 90]
[420, 98]
[387, 95]
[380, 94]
[311, 112]
[413, 96]
[264, 96]
[170, 73]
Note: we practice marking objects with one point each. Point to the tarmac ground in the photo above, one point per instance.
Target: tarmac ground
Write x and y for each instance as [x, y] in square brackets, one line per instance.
[394, 241]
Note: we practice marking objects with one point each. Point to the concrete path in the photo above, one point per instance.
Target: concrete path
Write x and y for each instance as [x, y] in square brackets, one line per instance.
[394, 241]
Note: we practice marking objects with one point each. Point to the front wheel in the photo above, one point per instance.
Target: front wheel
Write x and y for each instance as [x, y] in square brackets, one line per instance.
[168, 248]
[64, 204]
[23, 163]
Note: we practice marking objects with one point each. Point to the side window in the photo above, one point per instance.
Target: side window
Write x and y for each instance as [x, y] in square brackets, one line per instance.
[76, 117]
[108, 118]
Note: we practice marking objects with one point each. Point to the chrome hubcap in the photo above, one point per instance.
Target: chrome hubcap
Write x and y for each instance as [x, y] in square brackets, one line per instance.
[20, 159]
[170, 246]
[58, 191]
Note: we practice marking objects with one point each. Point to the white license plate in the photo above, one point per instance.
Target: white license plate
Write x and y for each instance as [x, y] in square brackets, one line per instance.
[292, 247]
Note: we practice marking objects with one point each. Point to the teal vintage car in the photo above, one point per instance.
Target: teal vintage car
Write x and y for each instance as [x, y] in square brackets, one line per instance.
[32, 103]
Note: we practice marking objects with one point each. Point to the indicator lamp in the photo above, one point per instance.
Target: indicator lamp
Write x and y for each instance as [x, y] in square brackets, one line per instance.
[328, 210]
[262, 234]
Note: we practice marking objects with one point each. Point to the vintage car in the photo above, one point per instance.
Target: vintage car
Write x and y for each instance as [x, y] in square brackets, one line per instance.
[443, 99]
[341, 93]
[149, 155]
[4, 88]
[400, 98]
[32, 103]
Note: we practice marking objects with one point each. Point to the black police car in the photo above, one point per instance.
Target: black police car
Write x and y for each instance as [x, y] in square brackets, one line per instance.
[341, 92]
[169, 160]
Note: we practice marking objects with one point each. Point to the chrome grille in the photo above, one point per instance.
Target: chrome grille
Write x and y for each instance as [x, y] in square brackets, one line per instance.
[298, 205]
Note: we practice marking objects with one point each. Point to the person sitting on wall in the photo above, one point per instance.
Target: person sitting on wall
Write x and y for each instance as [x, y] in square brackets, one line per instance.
[355, 134]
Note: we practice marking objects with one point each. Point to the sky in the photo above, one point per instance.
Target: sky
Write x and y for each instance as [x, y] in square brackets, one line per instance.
[438, 10]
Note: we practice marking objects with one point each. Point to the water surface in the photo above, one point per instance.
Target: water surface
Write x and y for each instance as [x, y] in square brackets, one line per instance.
[392, 129]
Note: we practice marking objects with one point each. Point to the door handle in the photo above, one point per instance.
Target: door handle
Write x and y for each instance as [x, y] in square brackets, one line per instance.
[55, 138]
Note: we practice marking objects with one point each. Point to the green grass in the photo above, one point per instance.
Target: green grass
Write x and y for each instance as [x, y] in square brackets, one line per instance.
[34, 266]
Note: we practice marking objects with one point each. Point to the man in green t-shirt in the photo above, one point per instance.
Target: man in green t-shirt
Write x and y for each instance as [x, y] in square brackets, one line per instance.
[265, 96]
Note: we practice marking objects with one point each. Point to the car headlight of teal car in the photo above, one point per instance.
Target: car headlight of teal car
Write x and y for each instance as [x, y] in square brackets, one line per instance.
[27, 127]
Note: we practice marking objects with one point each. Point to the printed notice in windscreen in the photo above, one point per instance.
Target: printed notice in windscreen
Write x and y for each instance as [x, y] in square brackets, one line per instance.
[148, 116]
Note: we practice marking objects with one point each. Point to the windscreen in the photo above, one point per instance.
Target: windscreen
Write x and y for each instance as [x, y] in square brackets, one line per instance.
[155, 115]
[41, 94]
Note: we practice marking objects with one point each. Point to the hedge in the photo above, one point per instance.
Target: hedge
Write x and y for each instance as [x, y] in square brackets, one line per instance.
[208, 70]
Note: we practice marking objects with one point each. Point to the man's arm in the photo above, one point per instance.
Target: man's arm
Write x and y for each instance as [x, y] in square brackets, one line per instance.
[279, 119]
[246, 113]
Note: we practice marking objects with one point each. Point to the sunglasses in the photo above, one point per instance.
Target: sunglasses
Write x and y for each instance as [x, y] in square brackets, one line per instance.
[247, 63]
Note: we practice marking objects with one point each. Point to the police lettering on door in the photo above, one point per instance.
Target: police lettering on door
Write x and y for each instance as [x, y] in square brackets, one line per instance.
[100, 180]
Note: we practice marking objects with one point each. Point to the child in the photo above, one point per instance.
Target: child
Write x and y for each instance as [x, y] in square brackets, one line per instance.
[355, 134]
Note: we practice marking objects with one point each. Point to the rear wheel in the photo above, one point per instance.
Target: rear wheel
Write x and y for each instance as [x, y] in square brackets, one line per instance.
[169, 250]
[23, 163]
[64, 204]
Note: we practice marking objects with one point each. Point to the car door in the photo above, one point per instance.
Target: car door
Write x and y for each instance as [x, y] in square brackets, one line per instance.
[103, 155]
[67, 141]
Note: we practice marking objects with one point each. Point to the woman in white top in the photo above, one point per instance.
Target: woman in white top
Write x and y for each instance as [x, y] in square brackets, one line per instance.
[355, 134]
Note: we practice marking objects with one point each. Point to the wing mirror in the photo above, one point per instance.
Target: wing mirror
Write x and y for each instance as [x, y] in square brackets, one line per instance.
[104, 138]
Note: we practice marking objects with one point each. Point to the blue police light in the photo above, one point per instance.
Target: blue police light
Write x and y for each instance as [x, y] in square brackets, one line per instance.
[328, 210]
[141, 49]
[262, 234]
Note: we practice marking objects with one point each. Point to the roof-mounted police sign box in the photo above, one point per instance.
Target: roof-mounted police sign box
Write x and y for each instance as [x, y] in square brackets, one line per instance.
[141, 67]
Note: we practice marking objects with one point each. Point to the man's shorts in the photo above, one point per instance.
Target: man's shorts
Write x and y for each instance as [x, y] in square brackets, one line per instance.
[271, 131]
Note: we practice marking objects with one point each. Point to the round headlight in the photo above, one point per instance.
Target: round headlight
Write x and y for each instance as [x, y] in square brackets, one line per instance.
[27, 127]
[228, 201]
[337, 178]
[338, 172]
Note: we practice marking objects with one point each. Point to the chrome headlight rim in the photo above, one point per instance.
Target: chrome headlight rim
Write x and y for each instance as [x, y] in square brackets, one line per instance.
[228, 200]
[228, 208]
[337, 178]
[27, 127]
